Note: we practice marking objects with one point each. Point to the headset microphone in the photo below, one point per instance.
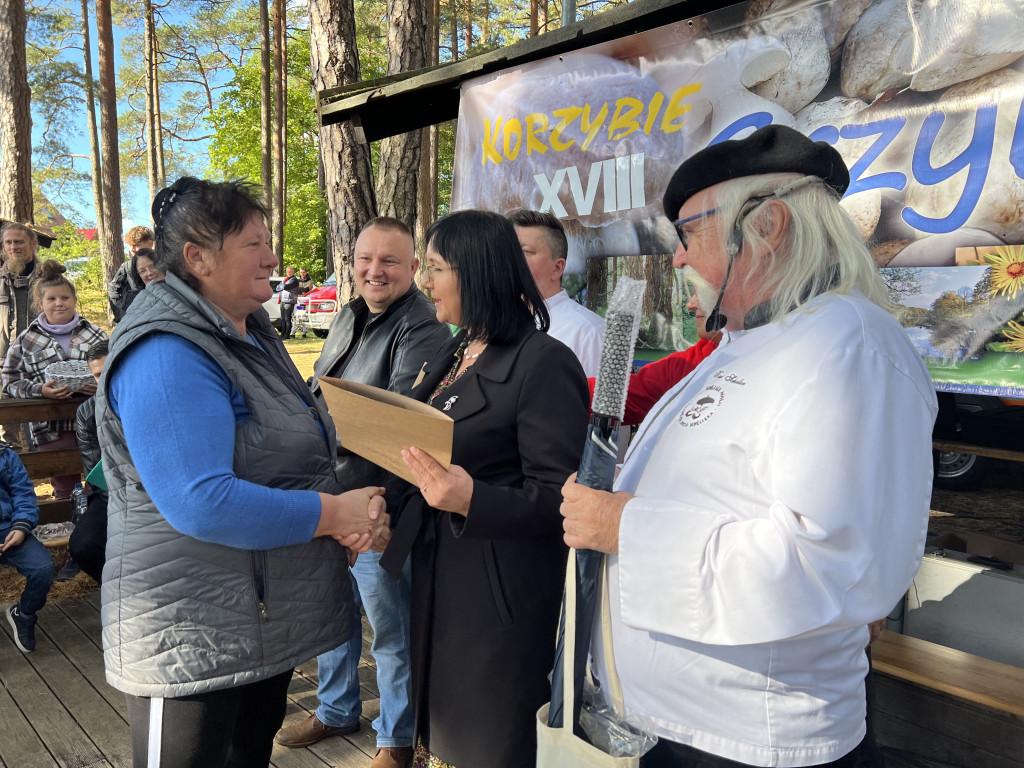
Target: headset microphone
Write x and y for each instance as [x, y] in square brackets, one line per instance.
[715, 320]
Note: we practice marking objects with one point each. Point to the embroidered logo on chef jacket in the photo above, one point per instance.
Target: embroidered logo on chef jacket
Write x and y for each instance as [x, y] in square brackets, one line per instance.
[702, 406]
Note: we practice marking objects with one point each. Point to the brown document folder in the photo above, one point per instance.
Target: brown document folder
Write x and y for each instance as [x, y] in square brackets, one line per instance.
[378, 425]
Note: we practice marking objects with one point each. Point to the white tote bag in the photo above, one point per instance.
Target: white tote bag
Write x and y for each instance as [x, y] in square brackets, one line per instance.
[560, 747]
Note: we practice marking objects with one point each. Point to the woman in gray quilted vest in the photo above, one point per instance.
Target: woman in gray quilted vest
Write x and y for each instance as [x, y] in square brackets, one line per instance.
[227, 537]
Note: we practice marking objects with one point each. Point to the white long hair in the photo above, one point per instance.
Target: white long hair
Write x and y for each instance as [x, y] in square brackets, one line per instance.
[821, 251]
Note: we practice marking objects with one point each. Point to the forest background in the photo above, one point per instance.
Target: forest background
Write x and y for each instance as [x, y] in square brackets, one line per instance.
[105, 102]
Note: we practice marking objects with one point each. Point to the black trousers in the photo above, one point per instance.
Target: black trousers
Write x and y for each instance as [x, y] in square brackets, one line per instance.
[88, 542]
[230, 728]
[669, 754]
[287, 310]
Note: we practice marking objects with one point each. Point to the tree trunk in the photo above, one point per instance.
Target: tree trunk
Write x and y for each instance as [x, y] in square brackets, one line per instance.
[110, 247]
[348, 176]
[468, 30]
[15, 116]
[158, 127]
[533, 17]
[280, 129]
[151, 137]
[454, 13]
[542, 16]
[397, 176]
[94, 139]
[266, 106]
[426, 210]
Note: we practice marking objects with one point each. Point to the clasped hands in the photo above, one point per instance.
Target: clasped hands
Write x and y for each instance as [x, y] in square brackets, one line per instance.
[356, 519]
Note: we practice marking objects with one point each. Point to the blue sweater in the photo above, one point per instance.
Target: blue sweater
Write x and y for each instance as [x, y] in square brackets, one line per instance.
[179, 411]
[17, 494]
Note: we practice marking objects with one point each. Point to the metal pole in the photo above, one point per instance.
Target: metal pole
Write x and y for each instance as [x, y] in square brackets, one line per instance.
[568, 12]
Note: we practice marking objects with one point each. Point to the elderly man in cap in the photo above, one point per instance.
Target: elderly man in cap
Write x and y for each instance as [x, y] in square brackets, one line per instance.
[776, 501]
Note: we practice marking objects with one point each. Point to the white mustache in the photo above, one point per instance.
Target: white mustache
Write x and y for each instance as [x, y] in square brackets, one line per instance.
[706, 293]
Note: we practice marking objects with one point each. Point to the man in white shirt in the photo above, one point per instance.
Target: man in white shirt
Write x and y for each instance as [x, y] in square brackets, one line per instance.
[775, 502]
[544, 243]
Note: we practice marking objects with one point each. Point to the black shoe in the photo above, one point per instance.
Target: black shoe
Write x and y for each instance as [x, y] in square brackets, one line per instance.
[69, 570]
[24, 629]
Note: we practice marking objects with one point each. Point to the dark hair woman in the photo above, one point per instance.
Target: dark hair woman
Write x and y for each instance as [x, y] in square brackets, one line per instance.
[488, 559]
[222, 574]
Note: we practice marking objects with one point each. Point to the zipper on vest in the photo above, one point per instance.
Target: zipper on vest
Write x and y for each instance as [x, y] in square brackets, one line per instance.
[259, 570]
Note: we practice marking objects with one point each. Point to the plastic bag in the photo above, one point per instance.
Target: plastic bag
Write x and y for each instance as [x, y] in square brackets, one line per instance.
[607, 731]
[53, 530]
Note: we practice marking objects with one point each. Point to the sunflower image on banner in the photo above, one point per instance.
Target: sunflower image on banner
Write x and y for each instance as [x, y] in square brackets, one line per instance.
[967, 321]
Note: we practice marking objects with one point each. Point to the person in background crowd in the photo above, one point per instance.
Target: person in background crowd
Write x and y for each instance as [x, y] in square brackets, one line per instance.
[127, 283]
[289, 294]
[545, 246]
[145, 266]
[17, 275]
[488, 562]
[305, 282]
[58, 333]
[224, 517]
[756, 528]
[381, 338]
[20, 549]
[88, 541]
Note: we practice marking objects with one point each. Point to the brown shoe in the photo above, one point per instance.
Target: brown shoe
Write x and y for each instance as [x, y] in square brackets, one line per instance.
[310, 731]
[392, 757]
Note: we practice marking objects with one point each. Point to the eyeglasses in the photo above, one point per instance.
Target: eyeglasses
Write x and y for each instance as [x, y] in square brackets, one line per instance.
[433, 271]
[684, 236]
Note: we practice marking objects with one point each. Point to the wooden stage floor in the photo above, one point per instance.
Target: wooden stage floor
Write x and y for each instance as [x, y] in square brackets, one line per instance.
[56, 709]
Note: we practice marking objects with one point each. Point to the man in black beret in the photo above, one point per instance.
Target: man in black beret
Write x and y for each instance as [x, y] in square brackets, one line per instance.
[776, 501]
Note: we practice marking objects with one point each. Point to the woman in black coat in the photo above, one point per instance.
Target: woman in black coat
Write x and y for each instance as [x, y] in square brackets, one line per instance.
[487, 553]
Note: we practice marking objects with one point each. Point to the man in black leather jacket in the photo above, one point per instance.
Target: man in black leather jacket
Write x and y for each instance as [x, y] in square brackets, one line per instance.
[381, 338]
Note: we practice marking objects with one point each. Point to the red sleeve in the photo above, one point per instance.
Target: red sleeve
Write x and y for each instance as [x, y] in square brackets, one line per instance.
[655, 379]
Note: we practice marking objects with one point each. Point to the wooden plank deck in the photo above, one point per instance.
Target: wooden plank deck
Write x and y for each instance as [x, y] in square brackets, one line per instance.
[56, 709]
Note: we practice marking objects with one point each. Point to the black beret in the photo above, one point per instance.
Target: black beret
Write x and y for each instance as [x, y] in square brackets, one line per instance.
[772, 149]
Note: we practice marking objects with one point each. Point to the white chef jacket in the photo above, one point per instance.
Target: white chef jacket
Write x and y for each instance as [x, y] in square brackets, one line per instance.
[578, 328]
[782, 496]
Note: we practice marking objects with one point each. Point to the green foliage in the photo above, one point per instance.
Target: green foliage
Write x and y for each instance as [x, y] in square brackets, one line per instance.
[235, 151]
[86, 269]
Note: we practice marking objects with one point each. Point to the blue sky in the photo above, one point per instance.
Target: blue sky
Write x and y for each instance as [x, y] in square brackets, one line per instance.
[135, 201]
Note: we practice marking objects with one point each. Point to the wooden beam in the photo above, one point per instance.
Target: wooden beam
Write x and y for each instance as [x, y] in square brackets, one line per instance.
[977, 450]
[414, 100]
[55, 511]
[16, 410]
[964, 675]
[41, 464]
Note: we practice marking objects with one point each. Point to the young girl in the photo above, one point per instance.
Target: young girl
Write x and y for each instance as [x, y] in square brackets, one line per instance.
[58, 333]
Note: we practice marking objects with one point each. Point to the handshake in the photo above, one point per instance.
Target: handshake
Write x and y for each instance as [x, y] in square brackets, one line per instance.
[355, 519]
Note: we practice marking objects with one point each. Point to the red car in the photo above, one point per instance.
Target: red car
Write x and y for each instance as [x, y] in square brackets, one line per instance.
[315, 311]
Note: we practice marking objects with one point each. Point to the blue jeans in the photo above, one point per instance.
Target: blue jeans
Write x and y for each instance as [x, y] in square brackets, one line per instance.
[387, 604]
[32, 560]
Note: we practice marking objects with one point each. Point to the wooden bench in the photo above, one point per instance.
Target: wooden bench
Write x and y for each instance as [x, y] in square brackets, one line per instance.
[947, 705]
[43, 464]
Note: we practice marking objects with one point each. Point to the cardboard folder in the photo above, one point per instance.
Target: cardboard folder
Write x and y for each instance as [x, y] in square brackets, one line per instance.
[378, 425]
